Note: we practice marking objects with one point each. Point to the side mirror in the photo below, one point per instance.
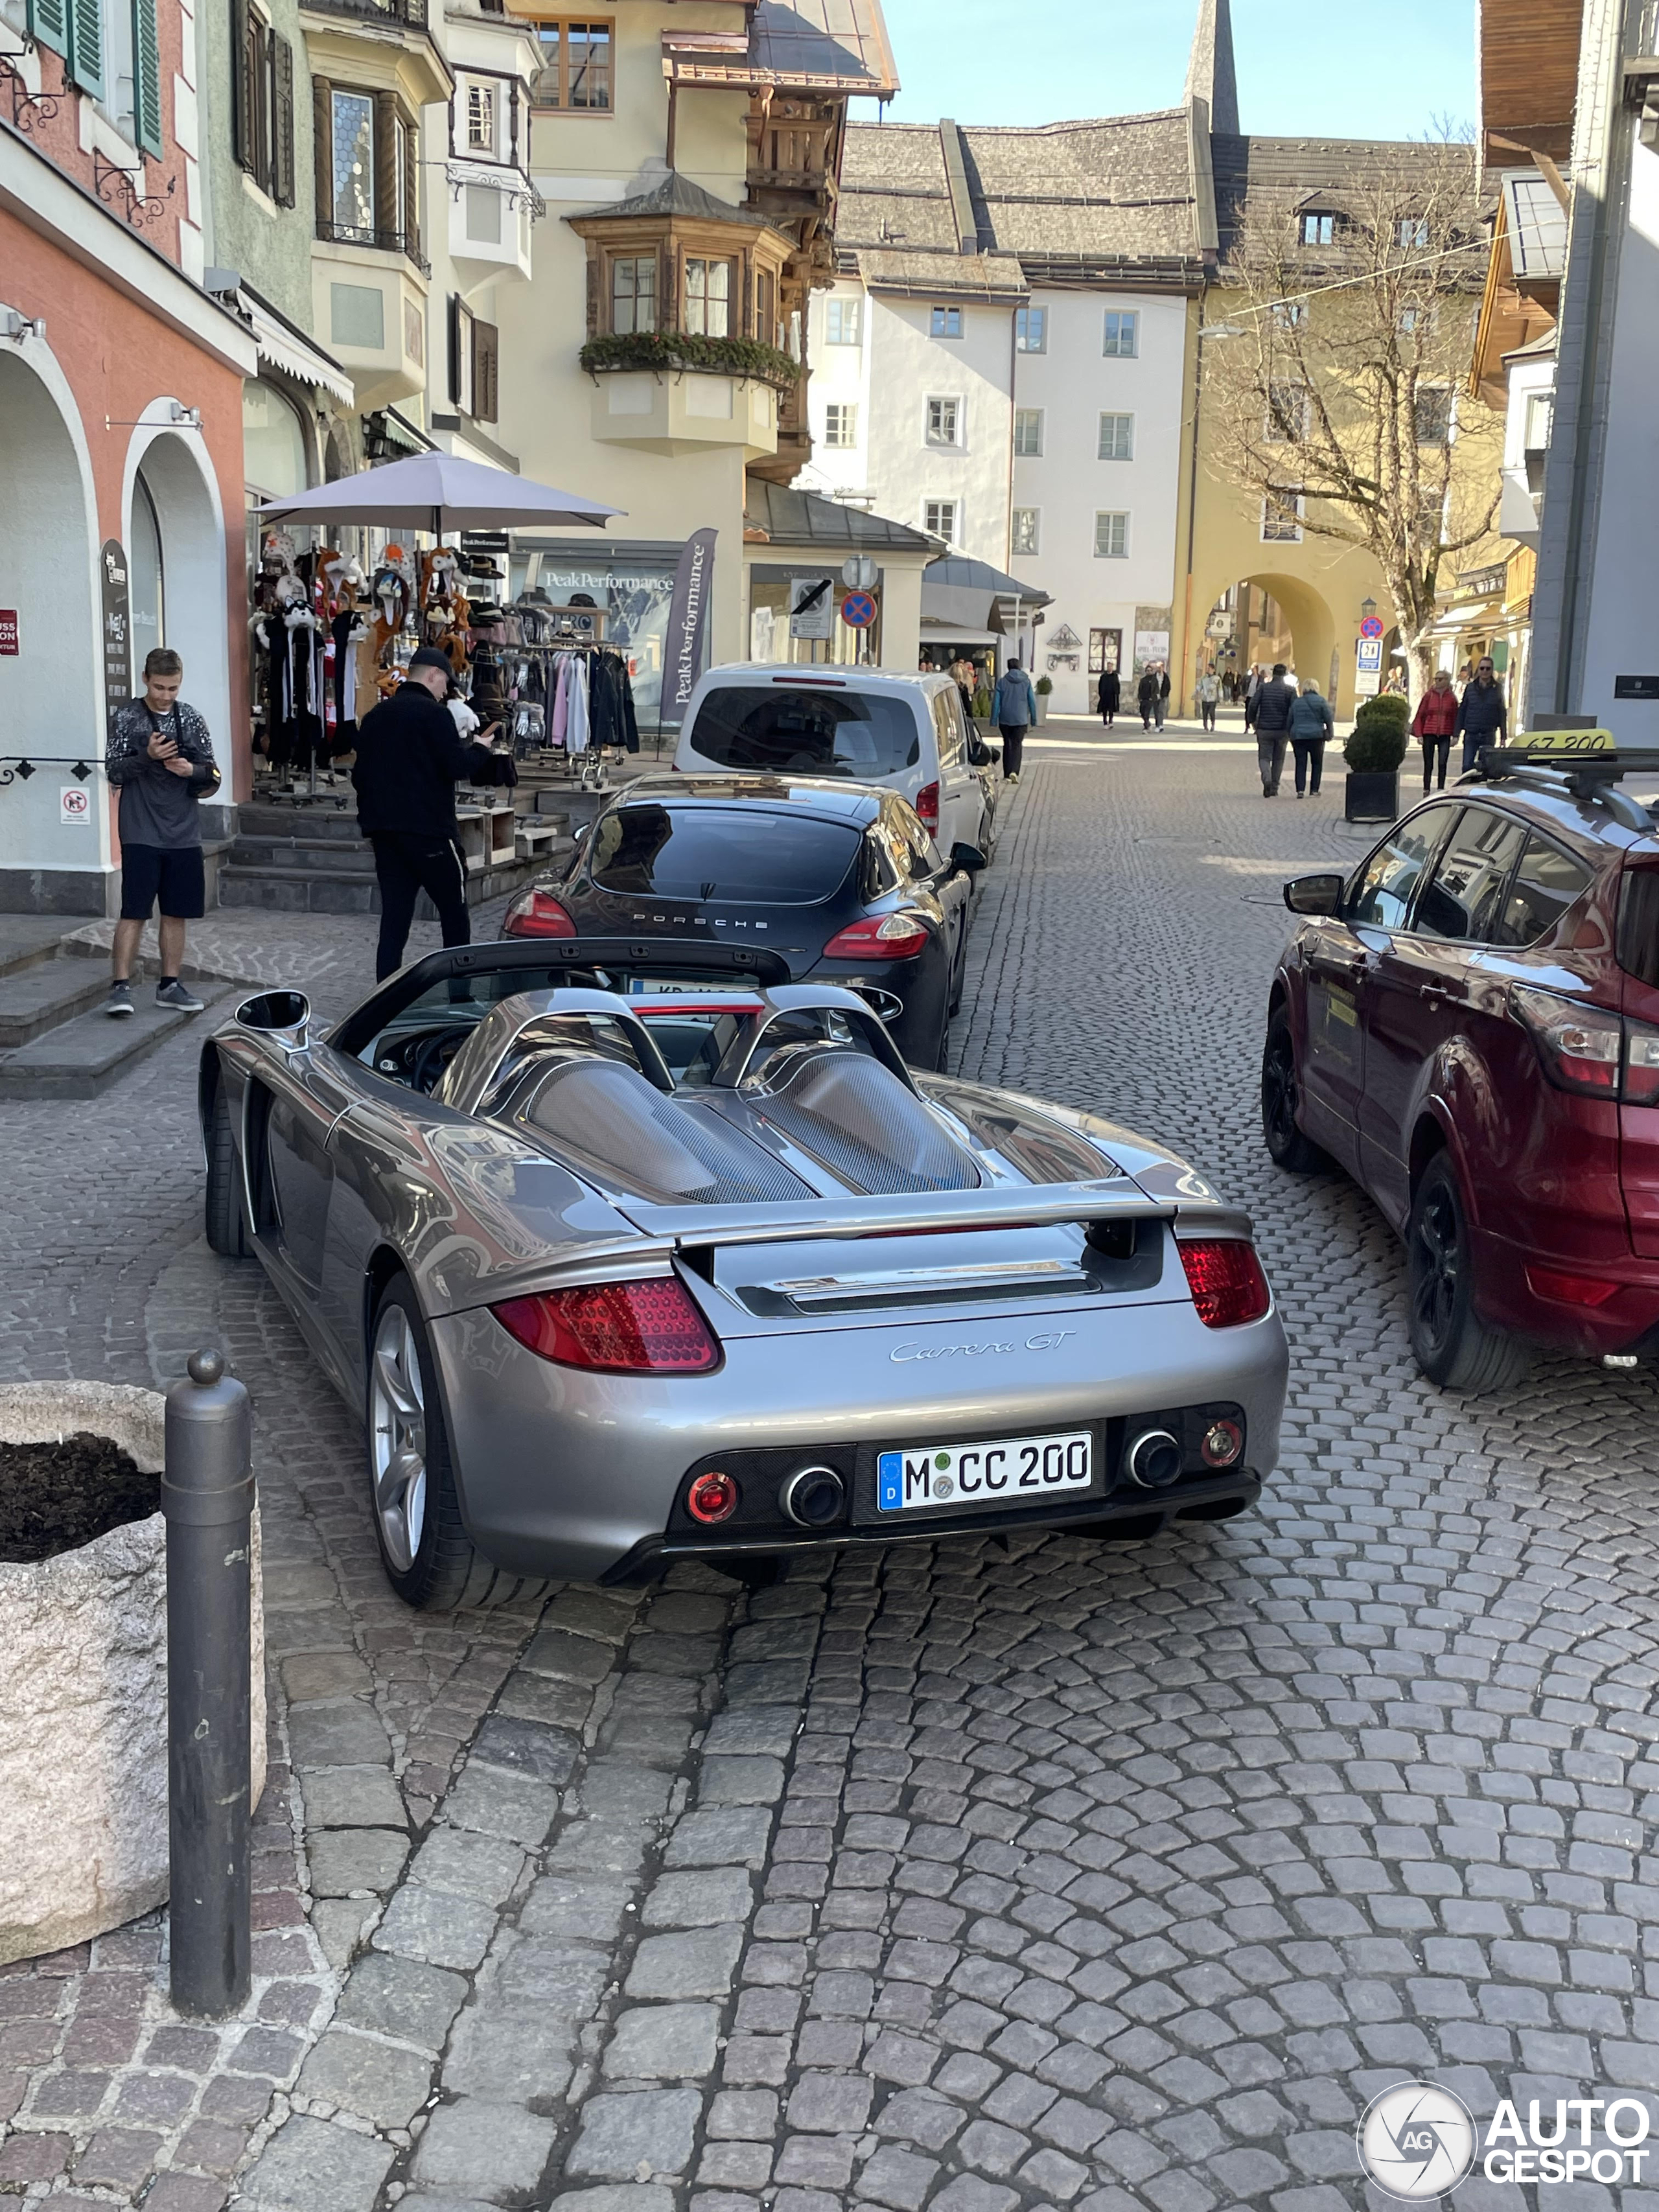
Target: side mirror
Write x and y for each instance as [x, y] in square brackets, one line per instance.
[580, 835]
[283, 1015]
[1315, 895]
[966, 859]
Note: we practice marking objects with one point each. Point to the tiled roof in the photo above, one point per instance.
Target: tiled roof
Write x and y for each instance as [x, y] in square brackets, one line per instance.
[1286, 174]
[678, 195]
[942, 275]
[822, 46]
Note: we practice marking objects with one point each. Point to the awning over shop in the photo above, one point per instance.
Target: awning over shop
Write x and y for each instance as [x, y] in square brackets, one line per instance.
[943, 633]
[283, 347]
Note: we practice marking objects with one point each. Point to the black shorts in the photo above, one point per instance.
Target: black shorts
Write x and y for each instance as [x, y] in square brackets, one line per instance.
[172, 873]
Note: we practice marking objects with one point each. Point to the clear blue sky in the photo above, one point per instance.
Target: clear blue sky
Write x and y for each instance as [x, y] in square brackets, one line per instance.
[1305, 66]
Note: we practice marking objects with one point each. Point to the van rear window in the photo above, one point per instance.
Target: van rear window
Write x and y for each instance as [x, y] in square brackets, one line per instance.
[862, 735]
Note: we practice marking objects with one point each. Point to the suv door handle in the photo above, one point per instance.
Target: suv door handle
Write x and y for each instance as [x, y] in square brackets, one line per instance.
[1445, 993]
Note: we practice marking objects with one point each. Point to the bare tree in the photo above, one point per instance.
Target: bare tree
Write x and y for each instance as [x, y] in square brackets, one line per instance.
[1338, 401]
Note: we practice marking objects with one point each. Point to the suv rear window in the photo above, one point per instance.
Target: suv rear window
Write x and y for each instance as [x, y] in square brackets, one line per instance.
[1546, 883]
[741, 853]
[862, 734]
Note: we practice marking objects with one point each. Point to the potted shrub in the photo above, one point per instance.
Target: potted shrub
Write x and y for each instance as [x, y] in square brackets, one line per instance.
[1045, 685]
[83, 1687]
[1374, 751]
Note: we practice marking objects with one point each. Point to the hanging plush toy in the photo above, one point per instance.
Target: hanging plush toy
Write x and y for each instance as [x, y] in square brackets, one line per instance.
[390, 589]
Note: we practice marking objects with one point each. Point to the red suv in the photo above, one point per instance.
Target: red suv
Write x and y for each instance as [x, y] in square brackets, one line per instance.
[1469, 1025]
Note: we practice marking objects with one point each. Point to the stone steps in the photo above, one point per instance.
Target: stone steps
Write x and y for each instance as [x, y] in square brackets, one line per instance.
[81, 1057]
[45, 994]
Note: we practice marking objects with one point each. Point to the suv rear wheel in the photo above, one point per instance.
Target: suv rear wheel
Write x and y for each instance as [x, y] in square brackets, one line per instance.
[1449, 1341]
[1280, 1093]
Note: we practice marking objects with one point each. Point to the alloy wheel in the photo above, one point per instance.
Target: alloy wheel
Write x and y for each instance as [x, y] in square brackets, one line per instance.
[1278, 1094]
[1435, 1265]
[397, 1438]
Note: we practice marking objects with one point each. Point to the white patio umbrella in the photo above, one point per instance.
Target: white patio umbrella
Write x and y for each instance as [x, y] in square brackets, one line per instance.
[437, 492]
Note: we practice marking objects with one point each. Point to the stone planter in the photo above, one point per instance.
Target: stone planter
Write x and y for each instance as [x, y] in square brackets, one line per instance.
[1372, 796]
[83, 1694]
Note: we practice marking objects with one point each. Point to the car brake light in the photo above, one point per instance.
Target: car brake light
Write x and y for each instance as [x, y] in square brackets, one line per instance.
[536, 914]
[886, 937]
[927, 804]
[1586, 1049]
[713, 1497]
[651, 1328]
[1226, 1281]
[1569, 1290]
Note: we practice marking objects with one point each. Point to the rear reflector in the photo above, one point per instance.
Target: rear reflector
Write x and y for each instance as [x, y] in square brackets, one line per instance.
[536, 914]
[712, 1497]
[1569, 1290]
[615, 1329]
[927, 806]
[1226, 1281]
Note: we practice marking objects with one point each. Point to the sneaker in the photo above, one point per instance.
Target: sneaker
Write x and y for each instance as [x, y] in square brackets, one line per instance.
[1011, 781]
[176, 999]
[119, 1000]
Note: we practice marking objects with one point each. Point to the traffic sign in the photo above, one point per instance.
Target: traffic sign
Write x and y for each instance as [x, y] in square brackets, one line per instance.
[857, 610]
[1369, 656]
[1371, 627]
[859, 573]
[811, 606]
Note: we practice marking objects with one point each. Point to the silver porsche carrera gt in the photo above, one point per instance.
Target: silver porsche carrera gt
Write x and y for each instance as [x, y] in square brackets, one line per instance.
[635, 1251]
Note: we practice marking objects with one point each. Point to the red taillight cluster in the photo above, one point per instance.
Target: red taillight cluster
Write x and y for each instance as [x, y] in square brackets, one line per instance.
[1587, 1049]
[615, 1329]
[1226, 1281]
[885, 937]
[536, 914]
[927, 806]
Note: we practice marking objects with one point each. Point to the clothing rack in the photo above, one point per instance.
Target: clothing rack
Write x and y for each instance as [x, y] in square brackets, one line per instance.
[589, 769]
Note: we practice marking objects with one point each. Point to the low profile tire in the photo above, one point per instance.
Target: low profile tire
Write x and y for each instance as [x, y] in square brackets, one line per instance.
[429, 1558]
[1281, 1094]
[226, 1222]
[1449, 1341]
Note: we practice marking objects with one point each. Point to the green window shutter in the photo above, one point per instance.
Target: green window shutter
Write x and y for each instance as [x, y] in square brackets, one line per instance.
[146, 79]
[281, 121]
[48, 24]
[86, 45]
[238, 84]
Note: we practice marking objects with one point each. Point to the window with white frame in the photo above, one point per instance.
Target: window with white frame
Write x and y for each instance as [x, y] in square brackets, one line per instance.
[1540, 413]
[1026, 534]
[945, 322]
[480, 117]
[1414, 231]
[633, 294]
[1317, 229]
[840, 423]
[939, 516]
[1281, 518]
[1117, 437]
[1121, 340]
[1028, 431]
[1031, 330]
[1112, 536]
[945, 421]
[843, 322]
[707, 297]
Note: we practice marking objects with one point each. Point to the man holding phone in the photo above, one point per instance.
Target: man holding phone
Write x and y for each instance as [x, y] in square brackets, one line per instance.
[159, 758]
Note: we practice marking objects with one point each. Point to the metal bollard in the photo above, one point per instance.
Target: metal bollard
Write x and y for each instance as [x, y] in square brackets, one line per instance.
[207, 1496]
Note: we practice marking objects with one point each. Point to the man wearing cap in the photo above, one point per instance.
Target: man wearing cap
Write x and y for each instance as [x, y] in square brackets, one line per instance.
[409, 758]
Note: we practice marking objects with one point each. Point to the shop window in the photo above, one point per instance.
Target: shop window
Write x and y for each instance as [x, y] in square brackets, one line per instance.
[633, 293]
[840, 423]
[939, 516]
[273, 443]
[707, 297]
[1031, 330]
[481, 119]
[262, 103]
[1117, 438]
[843, 322]
[945, 421]
[946, 322]
[1120, 338]
[1026, 534]
[1111, 537]
[576, 72]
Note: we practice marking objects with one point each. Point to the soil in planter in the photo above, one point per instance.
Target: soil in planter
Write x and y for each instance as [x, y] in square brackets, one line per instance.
[58, 1496]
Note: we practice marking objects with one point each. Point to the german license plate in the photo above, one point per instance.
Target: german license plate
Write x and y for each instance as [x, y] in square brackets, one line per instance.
[1018, 1471]
[674, 986]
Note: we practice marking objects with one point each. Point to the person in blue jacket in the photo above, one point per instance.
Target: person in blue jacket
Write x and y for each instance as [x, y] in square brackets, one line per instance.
[1013, 710]
[1311, 724]
[1483, 714]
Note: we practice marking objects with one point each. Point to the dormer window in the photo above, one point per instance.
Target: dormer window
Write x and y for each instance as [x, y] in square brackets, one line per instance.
[1318, 229]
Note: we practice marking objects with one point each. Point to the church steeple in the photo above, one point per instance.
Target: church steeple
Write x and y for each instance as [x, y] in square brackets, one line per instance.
[1210, 74]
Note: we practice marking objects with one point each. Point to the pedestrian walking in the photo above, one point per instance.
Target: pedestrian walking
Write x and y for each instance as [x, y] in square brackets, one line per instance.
[411, 757]
[1209, 691]
[1110, 695]
[962, 669]
[1311, 723]
[159, 758]
[1273, 703]
[1483, 714]
[1013, 710]
[1146, 696]
[1253, 683]
[1433, 724]
[1161, 704]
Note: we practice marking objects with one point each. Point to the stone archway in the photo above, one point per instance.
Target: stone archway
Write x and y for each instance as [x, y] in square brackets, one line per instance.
[49, 689]
[1312, 626]
[181, 491]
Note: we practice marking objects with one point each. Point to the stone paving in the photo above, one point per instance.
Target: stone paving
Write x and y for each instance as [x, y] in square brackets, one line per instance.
[988, 1876]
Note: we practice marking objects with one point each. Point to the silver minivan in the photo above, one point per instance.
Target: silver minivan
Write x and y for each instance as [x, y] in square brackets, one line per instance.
[885, 726]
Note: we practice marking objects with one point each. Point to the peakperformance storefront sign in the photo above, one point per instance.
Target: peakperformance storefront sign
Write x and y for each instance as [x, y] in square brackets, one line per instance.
[1418, 2140]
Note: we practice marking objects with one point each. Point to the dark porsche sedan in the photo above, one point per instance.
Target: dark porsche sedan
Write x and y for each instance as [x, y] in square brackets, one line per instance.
[841, 881]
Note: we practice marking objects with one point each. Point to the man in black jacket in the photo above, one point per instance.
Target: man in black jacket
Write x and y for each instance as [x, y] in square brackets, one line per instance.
[409, 758]
[1273, 703]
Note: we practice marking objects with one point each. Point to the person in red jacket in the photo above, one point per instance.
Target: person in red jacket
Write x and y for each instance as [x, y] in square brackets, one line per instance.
[1433, 723]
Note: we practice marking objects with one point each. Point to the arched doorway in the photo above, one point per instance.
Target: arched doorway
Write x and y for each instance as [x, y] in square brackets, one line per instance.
[176, 546]
[49, 689]
[1266, 618]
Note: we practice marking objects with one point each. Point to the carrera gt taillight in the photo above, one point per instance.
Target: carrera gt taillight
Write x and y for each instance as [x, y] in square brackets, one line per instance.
[1587, 1049]
[650, 1327]
[1226, 1281]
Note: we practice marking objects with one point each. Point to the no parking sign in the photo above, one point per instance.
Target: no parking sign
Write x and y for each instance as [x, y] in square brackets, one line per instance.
[857, 610]
[73, 803]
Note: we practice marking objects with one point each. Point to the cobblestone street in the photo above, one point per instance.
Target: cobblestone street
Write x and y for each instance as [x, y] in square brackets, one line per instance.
[988, 1875]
